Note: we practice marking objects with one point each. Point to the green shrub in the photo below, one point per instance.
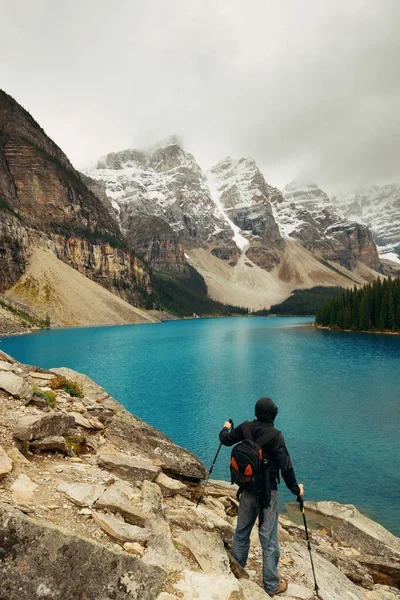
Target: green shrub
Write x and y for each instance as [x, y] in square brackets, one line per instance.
[73, 388]
[48, 395]
[77, 443]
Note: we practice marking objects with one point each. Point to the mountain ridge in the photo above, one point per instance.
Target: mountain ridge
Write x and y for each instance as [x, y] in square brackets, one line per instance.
[231, 213]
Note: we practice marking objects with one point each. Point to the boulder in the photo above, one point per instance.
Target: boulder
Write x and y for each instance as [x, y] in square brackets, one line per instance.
[91, 423]
[6, 366]
[358, 531]
[189, 517]
[42, 426]
[382, 569]
[41, 379]
[356, 572]
[17, 457]
[119, 530]
[162, 552]
[116, 502]
[54, 443]
[208, 586]
[128, 467]
[208, 549]
[81, 494]
[383, 592]
[333, 584]
[6, 464]
[169, 486]
[299, 592]
[251, 591]
[152, 499]
[15, 385]
[47, 562]
[22, 490]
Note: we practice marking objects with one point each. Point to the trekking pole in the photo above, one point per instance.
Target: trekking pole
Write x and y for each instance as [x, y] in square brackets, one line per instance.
[301, 501]
[211, 470]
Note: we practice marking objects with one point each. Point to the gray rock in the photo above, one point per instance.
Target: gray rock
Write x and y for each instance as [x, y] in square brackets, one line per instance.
[381, 568]
[81, 494]
[6, 464]
[54, 443]
[91, 423]
[128, 467]
[41, 379]
[42, 426]
[333, 584]
[6, 366]
[119, 530]
[208, 549]
[383, 592]
[17, 457]
[115, 501]
[208, 586]
[22, 490]
[298, 591]
[358, 531]
[188, 517]
[152, 499]
[162, 552]
[356, 572]
[60, 565]
[15, 385]
[169, 486]
[251, 591]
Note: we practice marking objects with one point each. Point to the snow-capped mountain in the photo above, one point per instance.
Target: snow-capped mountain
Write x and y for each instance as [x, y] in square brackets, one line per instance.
[166, 183]
[251, 243]
[377, 207]
[306, 213]
[245, 197]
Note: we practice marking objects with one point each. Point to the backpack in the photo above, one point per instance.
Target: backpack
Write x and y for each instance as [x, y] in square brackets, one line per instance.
[249, 469]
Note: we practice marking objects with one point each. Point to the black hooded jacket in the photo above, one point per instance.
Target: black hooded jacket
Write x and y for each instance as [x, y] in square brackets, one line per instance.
[275, 450]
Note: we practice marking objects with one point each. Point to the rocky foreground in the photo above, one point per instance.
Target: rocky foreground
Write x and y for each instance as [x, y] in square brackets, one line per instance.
[97, 505]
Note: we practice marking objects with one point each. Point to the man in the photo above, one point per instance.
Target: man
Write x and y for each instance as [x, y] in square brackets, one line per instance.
[276, 453]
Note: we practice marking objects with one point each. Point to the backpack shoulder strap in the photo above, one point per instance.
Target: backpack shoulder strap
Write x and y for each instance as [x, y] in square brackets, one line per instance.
[247, 430]
[268, 437]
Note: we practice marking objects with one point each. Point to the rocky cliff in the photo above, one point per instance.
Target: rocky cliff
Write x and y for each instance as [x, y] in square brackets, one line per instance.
[377, 207]
[305, 212]
[96, 504]
[44, 202]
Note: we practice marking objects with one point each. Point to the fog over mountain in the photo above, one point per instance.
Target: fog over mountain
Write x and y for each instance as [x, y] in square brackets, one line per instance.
[309, 89]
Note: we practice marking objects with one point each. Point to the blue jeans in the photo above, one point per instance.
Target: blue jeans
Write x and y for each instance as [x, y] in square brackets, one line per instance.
[268, 534]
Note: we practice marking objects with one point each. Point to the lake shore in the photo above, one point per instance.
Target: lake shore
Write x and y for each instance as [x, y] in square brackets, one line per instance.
[339, 330]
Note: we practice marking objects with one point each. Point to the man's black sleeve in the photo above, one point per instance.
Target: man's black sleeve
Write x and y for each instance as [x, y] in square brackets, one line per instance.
[285, 464]
[231, 436]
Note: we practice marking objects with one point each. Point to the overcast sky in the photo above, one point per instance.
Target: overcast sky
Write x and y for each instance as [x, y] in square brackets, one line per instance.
[310, 89]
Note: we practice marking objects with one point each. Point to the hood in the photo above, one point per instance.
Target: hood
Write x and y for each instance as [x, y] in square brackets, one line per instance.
[266, 410]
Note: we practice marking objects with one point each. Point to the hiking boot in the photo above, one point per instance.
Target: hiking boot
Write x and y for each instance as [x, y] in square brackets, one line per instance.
[282, 588]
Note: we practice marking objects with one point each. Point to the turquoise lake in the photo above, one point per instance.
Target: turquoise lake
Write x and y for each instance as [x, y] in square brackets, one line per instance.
[338, 393]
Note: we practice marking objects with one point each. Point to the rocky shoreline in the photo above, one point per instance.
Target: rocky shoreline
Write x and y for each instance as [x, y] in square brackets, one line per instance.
[95, 504]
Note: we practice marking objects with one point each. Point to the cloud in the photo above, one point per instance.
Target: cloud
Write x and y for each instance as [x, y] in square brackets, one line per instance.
[310, 89]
